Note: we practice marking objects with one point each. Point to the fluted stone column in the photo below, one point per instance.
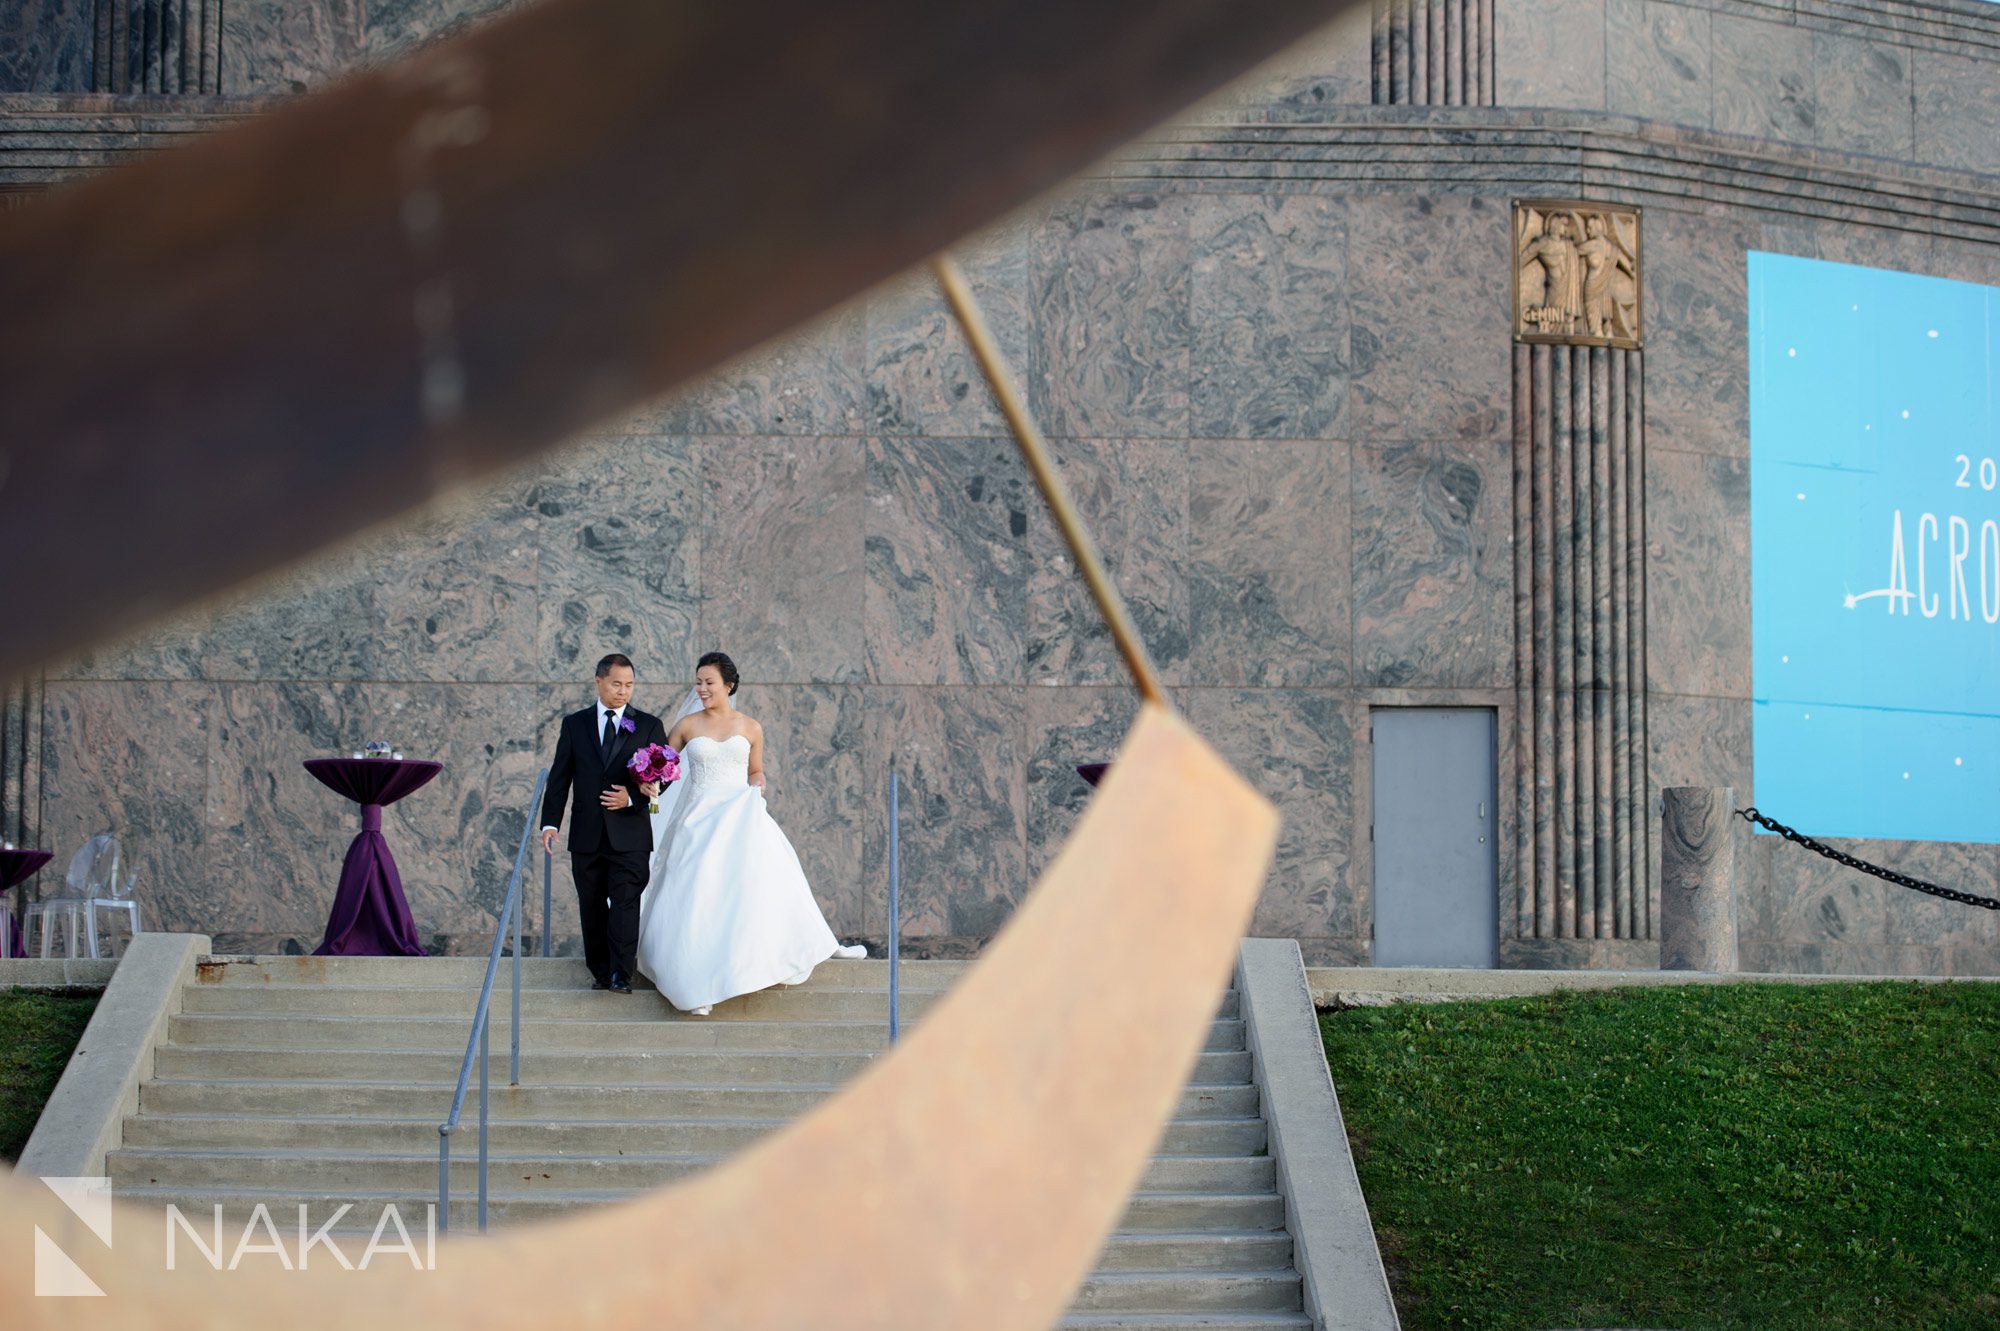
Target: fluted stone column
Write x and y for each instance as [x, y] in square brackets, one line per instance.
[158, 46]
[21, 761]
[21, 770]
[1579, 614]
[1697, 879]
[1582, 846]
[1433, 53]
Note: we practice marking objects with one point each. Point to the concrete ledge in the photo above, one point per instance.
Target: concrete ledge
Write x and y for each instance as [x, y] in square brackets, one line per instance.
[55, 973]
[1333, 1241]
[1373, 986]
[85, 1119]
[1498, 151]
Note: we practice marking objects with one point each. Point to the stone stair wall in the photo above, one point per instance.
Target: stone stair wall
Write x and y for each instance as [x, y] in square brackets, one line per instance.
[322, 1081]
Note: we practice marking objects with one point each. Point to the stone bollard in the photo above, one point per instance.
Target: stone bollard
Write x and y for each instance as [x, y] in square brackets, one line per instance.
[1697, 879]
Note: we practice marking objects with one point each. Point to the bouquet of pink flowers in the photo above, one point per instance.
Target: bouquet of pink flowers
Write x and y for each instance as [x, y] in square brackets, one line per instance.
[655, 763]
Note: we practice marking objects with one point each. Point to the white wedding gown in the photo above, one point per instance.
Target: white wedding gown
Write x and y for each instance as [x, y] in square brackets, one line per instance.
[727, 910]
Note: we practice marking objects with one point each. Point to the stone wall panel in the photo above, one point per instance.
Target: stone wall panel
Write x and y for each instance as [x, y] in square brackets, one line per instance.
[1269, 565]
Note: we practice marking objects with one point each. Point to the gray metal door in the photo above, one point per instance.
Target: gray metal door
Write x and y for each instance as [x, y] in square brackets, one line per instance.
[1435, 899]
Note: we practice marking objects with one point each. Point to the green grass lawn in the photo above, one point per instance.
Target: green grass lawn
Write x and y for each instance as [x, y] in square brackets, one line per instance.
[38, 1030]
[1777, 1157]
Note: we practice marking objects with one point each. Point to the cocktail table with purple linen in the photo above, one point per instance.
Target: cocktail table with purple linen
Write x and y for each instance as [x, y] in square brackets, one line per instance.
[16, 867]
[370, 918]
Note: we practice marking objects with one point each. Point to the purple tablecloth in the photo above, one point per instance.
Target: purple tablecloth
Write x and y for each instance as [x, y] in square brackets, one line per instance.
[370, 918]
[16, 867]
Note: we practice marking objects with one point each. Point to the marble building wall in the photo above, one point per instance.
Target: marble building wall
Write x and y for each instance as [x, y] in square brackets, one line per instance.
[1911, 81]
[1798, 914]
[274, 47]
[1284, 399]
[46, 45]
[846, 517]
[1906, 79]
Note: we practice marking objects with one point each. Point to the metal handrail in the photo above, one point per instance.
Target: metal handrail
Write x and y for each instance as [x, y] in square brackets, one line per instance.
[476, 1042]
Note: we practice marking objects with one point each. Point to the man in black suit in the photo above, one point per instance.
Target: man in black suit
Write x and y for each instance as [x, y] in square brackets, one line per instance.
[611, 840]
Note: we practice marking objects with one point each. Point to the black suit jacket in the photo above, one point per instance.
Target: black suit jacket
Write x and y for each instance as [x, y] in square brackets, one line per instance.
[582, 765]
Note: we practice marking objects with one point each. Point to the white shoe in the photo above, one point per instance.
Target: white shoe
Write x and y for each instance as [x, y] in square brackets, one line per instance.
[701, 1011]
[852, 952]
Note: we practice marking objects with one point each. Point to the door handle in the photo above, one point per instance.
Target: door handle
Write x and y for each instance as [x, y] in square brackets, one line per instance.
[1482, 811]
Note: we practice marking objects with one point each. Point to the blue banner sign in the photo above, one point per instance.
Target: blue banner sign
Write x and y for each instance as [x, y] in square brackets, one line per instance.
[1875, 551]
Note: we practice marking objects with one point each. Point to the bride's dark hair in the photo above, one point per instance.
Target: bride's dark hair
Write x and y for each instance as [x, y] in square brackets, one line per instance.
[723, 664]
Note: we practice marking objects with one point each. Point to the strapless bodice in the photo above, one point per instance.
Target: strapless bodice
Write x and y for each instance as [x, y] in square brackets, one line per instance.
[709, 762]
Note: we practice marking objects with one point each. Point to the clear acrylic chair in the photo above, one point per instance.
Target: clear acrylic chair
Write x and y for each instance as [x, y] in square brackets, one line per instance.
[119, 899]
[63, 907]
[91, 881]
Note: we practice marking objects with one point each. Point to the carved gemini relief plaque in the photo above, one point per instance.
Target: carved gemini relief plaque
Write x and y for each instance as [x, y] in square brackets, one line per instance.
[1576, 273]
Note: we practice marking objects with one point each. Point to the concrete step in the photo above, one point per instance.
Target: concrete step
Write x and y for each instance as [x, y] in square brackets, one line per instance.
[643, 1006]
[1248, 1251]
[694, 1067]
[1212, 1291]
[1146, 1212]
[300, 1031]
[806, 1003]
[1195, 1321]
[319, 1082]
[543, 1101]
[1127, 1252]
[415, 1169]
[553, 972]
[1191, 1136]
[447, 1034]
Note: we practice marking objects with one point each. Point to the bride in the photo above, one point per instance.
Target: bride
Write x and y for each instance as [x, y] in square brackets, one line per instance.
[727, 910]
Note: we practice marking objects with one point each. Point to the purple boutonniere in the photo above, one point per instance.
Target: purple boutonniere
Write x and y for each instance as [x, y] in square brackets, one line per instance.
[625, 724]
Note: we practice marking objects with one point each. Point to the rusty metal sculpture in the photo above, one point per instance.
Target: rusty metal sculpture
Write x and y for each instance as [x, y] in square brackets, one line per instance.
[505, 240]
[239, 351]
[967, 1179]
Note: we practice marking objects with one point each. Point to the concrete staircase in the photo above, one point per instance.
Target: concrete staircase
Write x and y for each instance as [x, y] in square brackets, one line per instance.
[322, 1081]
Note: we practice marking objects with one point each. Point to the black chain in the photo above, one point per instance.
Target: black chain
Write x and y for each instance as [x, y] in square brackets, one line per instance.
[1843, 858]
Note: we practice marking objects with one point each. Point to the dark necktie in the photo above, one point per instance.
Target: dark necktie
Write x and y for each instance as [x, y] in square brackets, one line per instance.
[610, 731]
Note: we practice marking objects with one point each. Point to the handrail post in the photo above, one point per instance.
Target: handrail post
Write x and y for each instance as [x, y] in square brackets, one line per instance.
[548, 912]
[444, 1177]
[484, 1027]
[478, 1042]
[895, 908]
